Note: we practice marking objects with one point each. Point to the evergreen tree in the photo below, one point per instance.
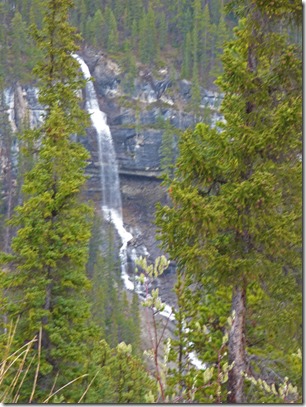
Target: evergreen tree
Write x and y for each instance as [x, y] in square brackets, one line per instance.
[99, 294]
[46, 281]
[196, 32]
[236, 215]
[148, 50]
[3, 41]
[135, 325]
[135, 9]
[21, 49]
[36, 12]
[80, 16]
[135, 36]
[162, 31]
[215, 8]
[119, 8]
[121, 379]
[187, 58]
[221, 37]
[182, 21]
[112, 39]
[205, 43]
[195, 90]
[97, 29]
[129, 64]
[168, 150]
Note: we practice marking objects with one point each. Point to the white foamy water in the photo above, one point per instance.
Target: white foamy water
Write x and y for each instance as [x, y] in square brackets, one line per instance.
[111, 196]
[110, 186]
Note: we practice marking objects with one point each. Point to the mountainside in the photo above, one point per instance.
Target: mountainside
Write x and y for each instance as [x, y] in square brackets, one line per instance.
[139, 118]
[134, 130]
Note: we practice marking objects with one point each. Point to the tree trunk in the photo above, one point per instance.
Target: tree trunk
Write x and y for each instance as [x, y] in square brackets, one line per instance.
[237, 346]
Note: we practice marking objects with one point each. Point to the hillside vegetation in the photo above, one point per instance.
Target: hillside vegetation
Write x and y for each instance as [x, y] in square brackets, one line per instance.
[69, 332]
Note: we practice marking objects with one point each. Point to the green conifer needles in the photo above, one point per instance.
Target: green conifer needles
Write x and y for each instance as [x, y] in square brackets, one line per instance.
[46, 282]
[236, 214]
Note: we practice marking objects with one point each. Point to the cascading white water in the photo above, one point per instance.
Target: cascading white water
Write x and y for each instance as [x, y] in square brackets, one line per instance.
[111, 196]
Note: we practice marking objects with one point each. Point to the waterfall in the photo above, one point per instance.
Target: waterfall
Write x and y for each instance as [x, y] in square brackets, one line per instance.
[110, 186]
[111, 196]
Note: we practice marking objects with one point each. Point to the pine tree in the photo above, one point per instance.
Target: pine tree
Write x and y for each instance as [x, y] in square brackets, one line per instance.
[195, 89]
[182, 20]
[196, 32]
[20, 48]
[236, 215]
[221, 37]
[113, 35]
[168, 150]
[205, 44]
[135, 325]
[162, 32]
[36, 12]
[81, 17]
[3, 41]
[121, 379]
[135, 9]
[215, 8]
[187, 57]
[97, 29]
[46, 282]
[135, 36]
[129, 64]
[148, 49]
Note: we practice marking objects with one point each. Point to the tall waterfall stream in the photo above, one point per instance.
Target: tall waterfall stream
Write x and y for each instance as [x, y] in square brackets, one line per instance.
[111, 196]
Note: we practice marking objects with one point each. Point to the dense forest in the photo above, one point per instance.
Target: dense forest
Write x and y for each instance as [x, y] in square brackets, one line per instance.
[185, 35]
[69, 330]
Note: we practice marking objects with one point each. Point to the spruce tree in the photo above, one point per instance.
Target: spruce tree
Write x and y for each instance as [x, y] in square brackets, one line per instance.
[236, 215]
[46, 280]
[182, 20]
[97, 29]
[162, 31]
[129, 63]
[20, 50]
[187, 57]
[205, 41]
[135, 34]
[135, 9]
[36, 12]
[113, 35]
[196, 32]
[168, 149]
[221, 36]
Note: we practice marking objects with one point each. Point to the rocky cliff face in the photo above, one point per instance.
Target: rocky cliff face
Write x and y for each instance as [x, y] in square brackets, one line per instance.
[135, 115]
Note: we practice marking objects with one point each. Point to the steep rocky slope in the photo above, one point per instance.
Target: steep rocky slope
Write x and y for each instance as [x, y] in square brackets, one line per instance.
[135, 114]
[135, 118]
